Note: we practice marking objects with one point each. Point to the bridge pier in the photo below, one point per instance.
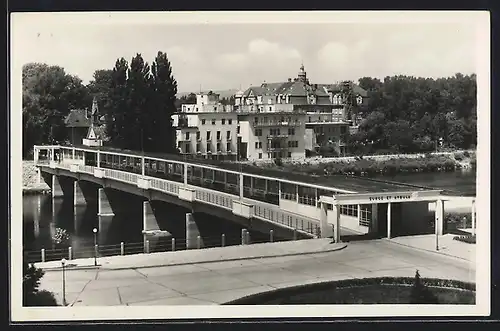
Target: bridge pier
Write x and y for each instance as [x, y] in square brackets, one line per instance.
[439, 217]
[192, 232]
[150, 228]
[105, 213]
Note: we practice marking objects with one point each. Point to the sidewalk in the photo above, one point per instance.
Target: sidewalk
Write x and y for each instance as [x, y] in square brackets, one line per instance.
[447, 246]
[229, 253]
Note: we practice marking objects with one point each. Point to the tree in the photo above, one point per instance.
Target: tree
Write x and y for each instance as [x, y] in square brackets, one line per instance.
[115, 113]
[32, 296]
[420, 293]
[100, 87]
[164, 90]
[48, 96]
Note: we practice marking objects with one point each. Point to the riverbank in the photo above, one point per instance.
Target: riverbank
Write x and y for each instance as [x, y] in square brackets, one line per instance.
[375, 165]
[30, 180]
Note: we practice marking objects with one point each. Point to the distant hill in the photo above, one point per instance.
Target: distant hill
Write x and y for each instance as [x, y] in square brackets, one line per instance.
[223, 93]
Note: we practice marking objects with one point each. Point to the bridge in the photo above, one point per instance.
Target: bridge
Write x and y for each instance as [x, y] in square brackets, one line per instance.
[304, 207]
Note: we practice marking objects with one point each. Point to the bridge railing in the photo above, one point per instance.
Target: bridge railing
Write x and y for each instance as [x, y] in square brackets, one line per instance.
[216, 198]
[121, 176]
[164, 185]
[86, 169]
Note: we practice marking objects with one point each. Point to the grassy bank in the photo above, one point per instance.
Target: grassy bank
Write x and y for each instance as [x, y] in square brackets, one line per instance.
[370, 167]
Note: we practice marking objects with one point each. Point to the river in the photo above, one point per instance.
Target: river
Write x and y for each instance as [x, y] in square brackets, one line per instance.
[40, 224]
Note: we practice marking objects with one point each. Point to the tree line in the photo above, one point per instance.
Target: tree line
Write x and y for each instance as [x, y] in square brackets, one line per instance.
[403, 114]
[406, 114]
[135, 99]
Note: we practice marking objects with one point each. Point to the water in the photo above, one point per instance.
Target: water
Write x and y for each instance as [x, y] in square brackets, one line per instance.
[42, 215]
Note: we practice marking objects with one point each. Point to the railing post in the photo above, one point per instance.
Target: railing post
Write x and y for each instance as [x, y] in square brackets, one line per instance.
[198, 242]
[147, 246]
[223, 240]
[173, 244]
[43, 254]
[271, 237]
[122, 248]
[70, 255]
[243, 236]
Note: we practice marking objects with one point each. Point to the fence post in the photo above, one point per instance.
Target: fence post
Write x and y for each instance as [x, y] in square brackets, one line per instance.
[198, 242]
[223, 240]
[271, 232]
[294, 234]
[43, 254]
[147, 246]
[70, 255]
[247, 237]
[173, 244]
[122, 248]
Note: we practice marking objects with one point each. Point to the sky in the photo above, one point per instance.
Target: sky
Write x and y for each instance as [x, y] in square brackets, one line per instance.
[207, 52]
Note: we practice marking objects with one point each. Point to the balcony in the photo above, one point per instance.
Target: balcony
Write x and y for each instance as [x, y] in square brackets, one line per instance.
[275, 148]
[277, 136]
[276, 123]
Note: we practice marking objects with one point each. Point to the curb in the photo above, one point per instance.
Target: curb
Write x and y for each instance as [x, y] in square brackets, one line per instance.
[427, 250]
[100, 267]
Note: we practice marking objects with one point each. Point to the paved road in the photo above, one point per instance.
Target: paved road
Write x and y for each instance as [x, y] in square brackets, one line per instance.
[219, 282]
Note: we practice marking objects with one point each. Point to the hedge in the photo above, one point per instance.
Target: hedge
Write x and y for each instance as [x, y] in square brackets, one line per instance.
[351, 283]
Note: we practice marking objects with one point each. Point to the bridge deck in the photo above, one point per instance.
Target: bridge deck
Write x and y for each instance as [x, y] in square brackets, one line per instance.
[344, 182]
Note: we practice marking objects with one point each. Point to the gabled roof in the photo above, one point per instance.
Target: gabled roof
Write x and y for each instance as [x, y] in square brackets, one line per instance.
[77, 119]
[298, 88]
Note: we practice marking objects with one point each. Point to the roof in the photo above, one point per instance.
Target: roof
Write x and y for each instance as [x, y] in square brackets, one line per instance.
[299, 88]
[77, 119]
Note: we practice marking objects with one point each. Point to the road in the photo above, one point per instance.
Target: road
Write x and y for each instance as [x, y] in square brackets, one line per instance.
[219, 282]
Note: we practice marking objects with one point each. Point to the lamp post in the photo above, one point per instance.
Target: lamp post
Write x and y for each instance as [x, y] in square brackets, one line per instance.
[95, 246]
[63, 263]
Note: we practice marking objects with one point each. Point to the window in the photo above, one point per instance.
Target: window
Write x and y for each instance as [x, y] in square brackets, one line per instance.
[260, 155]
[198, 135]
[213, 121]
[309, 119]
[188, 148]
[365, 215]
[219, 147]
[274, 132]
[229, 121]
[258, 132]
[293, 144]
[228, 147]
[202, 121]
[258, 144]
[215, 109]
[228, 135]
[223, 121]
[209, 147]
[238, 130]
[198, 148]
[289, 154]
[270, 108]
[218, 135]
[256, 120]
[291, 131]
[349, 210]
[208, 135]
[187, 135]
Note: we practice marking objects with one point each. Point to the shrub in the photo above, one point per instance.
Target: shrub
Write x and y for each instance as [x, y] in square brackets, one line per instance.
[43, 298]
[469, 239]
[278, 162]
[458, 156]
[420, 293]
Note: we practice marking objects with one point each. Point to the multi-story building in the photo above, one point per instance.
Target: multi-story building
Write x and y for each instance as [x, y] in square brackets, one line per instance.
[323, 106]
[207, 129]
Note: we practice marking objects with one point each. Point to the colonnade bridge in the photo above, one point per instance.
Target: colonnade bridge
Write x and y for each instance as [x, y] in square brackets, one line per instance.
[309, 206]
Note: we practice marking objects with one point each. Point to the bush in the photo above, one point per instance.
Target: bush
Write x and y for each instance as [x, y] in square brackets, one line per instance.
[43, 298]
[469, 239]
[278, 162]
[458, 156]
[420, 293]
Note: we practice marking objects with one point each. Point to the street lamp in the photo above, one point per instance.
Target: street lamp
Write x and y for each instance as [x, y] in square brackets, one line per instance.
[63, 263]
[95, 246]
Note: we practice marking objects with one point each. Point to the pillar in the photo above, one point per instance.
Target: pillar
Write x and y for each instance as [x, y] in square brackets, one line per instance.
[142, 166]
[336, 223]
[359, 214]
[297, 193]
[192, 232]
[56, 187]
[323, 220]
[73, 154]
[38, 176]
[241, 186]
[78, 195]
[374, 218]
[389, 223]
[35, 155]
[98, 160]
[439, 217]
[103, 204]
[185, 176]
[473, 216]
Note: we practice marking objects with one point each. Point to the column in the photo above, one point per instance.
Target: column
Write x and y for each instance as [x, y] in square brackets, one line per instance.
[359, 214]
[78, 195]
[315, 197]
[389, 220]
[439, 217]
[241, 186]
[185, 174]
[142, 166]
[35, 155]
[473, 216]
[336, 224]
[105, 214]
[73, 153]
[98, 160]
[323, 220]
[374, 218]
[297, 193]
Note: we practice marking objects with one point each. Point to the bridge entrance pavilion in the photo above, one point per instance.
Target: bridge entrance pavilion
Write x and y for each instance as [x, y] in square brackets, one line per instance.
[385, 214]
